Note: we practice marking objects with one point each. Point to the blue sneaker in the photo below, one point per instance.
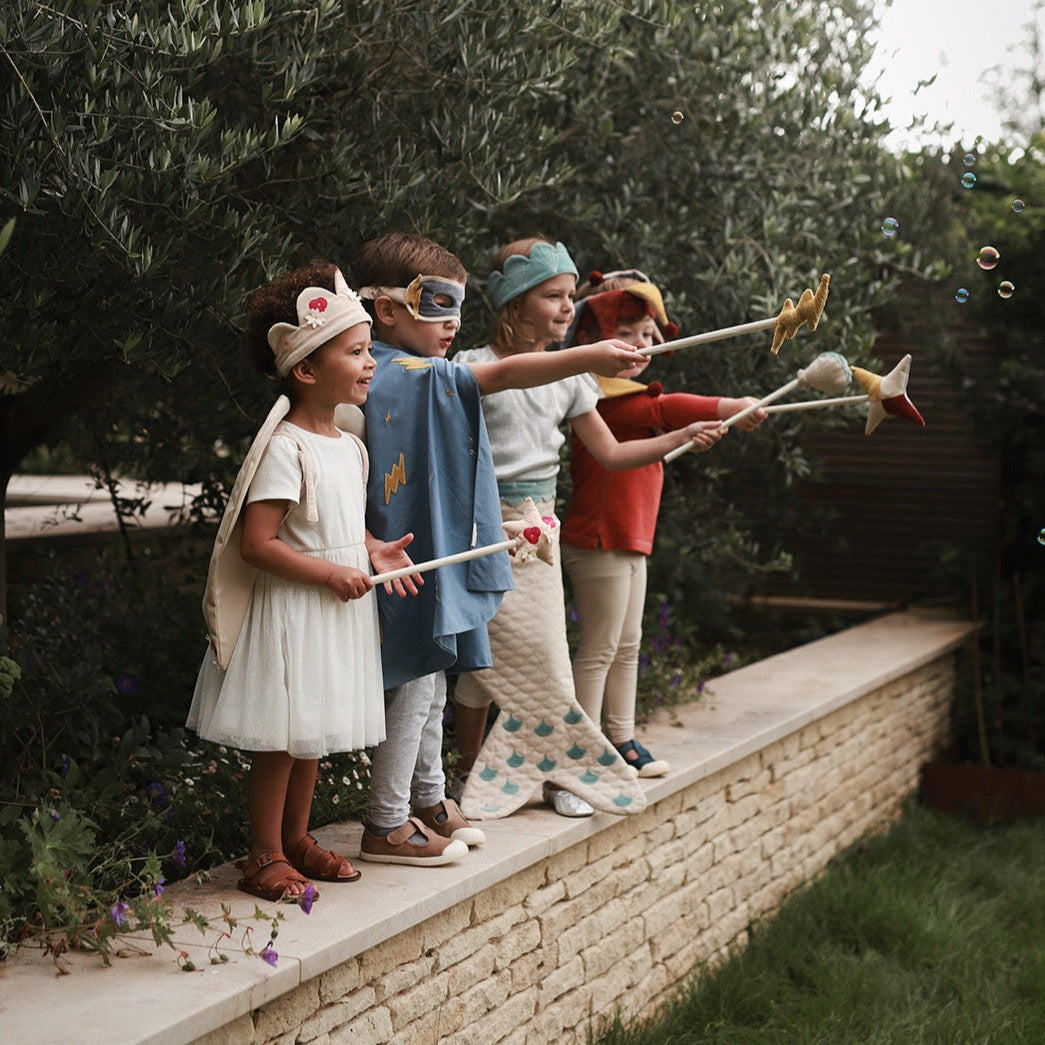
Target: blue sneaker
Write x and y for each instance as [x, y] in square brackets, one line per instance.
[641, 760]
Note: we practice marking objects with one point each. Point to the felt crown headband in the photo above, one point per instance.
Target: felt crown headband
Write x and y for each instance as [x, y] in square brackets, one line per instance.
[521, 273]
[322, 315]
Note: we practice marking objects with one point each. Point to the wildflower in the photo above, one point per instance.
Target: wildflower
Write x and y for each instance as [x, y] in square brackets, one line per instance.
[308, 898]
[127, 683]
[728, 659]
[119, 913]
[701, 683]
[676, 679]
[179, 853]
[55, 816]
[157, 888]
[157, 794]
[269, 955]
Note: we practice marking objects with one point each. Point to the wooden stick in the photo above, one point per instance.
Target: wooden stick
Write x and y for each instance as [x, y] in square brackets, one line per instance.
[815, 404]
[709, 336]
[782, 391]
[447, 560]
[792, 317]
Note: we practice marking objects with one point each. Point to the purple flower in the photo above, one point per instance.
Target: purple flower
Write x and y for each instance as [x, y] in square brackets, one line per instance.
[308, 898]
[573, 614]
[127, 683]
[676, 679]
[269, 955]
[179, 853]
[55, 817]
[67, 764]
[157, 889]
[728, 659]
[119, 913]
[157, 794]
[700, 685]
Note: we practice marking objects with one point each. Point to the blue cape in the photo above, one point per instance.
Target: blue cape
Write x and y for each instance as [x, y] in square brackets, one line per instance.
[432, 474]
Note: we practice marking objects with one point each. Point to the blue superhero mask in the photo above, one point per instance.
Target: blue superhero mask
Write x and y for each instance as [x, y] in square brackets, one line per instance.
[432, 299]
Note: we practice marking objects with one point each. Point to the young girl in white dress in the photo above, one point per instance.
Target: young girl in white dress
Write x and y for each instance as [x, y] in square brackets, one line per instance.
[294, 670]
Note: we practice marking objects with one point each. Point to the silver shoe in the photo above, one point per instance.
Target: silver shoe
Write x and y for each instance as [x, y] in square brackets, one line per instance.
[565, 803]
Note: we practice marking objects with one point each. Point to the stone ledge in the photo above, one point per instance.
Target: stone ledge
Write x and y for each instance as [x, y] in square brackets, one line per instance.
[148, 999]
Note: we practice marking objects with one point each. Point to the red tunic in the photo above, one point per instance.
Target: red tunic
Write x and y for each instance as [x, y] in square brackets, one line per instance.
[618, 510]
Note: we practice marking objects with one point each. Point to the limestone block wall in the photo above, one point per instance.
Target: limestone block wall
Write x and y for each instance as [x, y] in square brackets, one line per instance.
[615, 921]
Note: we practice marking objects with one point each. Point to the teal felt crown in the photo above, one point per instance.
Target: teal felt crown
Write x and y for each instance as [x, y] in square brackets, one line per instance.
[520, 273]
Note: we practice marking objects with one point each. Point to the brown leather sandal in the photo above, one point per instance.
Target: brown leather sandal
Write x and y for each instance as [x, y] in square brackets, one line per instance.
[269, 875]
[312, 859]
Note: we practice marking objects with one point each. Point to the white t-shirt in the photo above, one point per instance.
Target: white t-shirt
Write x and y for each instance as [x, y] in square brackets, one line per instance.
[523, 423]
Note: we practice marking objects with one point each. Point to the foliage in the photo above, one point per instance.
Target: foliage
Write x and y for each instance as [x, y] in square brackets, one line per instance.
[931, 932]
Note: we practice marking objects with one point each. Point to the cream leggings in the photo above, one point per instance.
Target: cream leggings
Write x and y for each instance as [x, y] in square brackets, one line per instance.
[609, 588]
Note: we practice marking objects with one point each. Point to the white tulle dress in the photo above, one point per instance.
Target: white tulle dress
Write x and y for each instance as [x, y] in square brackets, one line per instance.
[305, 673]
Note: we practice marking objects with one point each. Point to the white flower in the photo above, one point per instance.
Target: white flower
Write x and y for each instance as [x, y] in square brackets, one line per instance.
[314, 319]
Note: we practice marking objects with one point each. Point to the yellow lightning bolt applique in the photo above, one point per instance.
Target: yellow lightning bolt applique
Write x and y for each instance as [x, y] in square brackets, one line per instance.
[388, 417]
[412, 362]
[395, 477]
[809, 309]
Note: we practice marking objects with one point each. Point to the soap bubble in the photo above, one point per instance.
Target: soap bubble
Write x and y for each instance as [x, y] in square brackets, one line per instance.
[890, 227]
[1017, 206]
[968, 179]
[988, 258]
[961, 295]
[970, 159]
[1005, 289]
[677, 116]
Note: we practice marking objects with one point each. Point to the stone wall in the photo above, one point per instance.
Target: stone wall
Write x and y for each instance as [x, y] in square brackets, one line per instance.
[616, 921]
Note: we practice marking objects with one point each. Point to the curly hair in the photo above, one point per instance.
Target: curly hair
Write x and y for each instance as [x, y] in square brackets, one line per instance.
[276, 302]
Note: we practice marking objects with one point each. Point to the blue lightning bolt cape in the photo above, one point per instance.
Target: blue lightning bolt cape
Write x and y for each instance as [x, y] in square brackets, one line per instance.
[431, 473]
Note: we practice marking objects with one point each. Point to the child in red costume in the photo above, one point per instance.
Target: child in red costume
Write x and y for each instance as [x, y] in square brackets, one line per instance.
[608, 530]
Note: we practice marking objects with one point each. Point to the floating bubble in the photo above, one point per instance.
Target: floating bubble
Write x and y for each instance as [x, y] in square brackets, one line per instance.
[890, 227]
[961, 295]
[677, 116]
[970, 159]
[1005, 289]
[968, 179]
[1017, 206]
[988, 258]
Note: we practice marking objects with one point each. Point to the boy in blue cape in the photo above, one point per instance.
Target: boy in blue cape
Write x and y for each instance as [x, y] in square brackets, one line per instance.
[431, 473]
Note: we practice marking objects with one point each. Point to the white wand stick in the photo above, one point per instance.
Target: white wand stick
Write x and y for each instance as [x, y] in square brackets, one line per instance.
[829, 372]
[809, 309]
[815, 404]
[782, 391]
[447, 560]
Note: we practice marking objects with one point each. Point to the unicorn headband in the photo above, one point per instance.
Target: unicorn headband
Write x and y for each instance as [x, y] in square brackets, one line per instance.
[322, 315]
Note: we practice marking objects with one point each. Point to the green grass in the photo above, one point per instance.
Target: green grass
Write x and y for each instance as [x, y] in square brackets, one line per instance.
[931, 933]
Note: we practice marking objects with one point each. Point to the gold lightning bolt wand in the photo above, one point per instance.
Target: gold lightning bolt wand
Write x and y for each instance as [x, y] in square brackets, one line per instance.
[809, 309]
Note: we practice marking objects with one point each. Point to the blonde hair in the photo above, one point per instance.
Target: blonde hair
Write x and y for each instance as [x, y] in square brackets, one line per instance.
[510, 332]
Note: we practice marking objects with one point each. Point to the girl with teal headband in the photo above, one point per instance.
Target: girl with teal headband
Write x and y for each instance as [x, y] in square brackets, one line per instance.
[533, 287]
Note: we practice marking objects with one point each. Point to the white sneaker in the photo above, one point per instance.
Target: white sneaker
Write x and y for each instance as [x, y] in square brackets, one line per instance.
[565, 803]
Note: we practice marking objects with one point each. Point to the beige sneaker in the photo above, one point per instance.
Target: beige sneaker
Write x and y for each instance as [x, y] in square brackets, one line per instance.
[414, 844]
[445, 818]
